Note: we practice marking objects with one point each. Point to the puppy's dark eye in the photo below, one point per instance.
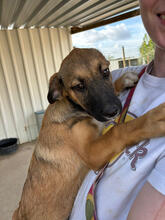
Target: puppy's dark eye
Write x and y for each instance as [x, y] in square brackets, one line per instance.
[79, 87]
[106, 73]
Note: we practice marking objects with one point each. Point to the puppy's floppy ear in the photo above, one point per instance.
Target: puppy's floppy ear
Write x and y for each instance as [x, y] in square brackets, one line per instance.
[55, 89]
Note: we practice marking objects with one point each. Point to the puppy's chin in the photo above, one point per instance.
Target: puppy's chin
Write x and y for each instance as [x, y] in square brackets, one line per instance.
[112, 118]
[104, 118]
[98, 117]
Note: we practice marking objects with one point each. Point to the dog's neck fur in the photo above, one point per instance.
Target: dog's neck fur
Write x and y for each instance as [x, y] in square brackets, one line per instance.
[64, 115]
[63, 110]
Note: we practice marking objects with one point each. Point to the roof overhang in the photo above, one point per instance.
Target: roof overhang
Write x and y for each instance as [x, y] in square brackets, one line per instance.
[79, 15]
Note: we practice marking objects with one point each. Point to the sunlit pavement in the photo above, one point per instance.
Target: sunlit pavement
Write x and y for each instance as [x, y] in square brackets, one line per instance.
[13, 171]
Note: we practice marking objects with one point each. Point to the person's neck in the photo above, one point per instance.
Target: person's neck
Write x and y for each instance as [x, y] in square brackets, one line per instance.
[159, 63]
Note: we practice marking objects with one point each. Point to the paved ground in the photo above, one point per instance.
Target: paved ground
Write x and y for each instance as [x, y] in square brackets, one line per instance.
[13, 171]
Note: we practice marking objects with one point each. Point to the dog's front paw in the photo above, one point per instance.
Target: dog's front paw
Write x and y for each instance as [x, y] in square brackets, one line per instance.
[129, 79]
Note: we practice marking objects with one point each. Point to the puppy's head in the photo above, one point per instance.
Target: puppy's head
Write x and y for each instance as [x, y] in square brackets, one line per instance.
[85, 80]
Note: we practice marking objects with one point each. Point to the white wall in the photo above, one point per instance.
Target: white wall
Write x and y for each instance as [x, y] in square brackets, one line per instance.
[28, 57]
[114, 65]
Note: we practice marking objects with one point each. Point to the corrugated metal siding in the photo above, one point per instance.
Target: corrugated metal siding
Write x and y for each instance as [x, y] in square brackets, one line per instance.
[28, 57]
[105, 12]
[66, 13]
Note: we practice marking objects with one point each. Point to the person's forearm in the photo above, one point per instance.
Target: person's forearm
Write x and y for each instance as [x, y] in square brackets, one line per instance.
[149, 205]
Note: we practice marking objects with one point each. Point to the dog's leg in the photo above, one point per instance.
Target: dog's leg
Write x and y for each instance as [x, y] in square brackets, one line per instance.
[96, 151]
[127, 80]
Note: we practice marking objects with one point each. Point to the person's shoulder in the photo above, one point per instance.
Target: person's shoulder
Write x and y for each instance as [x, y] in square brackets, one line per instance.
[119, 72]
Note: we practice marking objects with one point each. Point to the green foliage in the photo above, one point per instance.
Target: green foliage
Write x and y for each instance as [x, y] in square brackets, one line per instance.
[147, 49]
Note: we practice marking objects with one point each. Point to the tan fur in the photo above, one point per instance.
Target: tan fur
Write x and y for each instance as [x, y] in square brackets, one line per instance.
[70, 144]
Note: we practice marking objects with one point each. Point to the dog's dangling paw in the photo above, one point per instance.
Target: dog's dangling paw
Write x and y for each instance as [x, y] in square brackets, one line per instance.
[129, 79]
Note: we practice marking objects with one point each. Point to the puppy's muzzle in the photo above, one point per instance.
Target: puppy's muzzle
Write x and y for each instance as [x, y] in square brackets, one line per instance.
[112, 112]
[111, 108]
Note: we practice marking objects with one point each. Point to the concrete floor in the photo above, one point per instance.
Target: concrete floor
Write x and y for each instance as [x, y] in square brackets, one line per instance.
[13, 171]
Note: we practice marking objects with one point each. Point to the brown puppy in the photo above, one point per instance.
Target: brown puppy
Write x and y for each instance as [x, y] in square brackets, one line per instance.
[69, 142]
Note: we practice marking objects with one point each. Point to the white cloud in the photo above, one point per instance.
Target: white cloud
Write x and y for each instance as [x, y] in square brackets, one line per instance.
[116, 46]
[112, 33]
[118, 32]
[110, 38]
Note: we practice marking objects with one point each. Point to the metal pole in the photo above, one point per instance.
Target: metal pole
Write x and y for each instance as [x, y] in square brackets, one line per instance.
[124, 64]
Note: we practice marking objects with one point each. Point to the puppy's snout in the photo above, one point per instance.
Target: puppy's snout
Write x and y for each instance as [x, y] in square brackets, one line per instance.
[110, 112]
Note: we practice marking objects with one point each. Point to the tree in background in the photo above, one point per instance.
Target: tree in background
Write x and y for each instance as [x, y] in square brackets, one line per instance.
[147, 49]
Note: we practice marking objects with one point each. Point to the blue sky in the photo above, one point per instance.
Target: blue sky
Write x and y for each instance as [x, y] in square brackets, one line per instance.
[109, 39]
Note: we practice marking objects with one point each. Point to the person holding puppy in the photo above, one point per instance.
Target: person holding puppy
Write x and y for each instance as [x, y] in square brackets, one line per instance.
[132, 185]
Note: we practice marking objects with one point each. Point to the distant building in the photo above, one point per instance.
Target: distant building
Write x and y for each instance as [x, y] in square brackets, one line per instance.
[118, 63]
